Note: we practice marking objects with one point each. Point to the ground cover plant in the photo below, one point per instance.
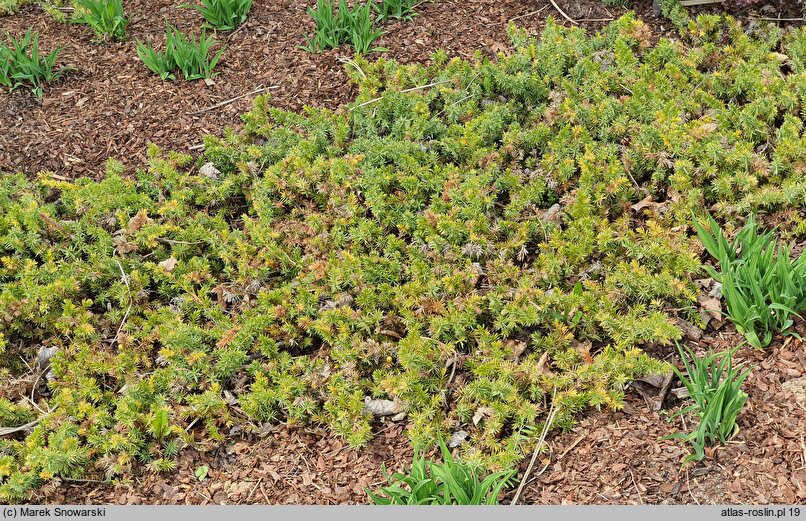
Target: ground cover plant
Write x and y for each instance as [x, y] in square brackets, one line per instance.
[459, 251]
[763, 287]
[11, 6]
[224, 15]
[21, 63]
[105, 17]
[184, 53]
[715, 385]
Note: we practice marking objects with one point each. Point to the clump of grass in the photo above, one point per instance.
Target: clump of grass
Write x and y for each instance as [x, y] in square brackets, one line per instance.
[714, 383]
[334, 27]
[763, 287]
[223, 15]
[398, 9]
[189, 56]
[21, 64]
[328, 32]
[105, 17]
[447, 483]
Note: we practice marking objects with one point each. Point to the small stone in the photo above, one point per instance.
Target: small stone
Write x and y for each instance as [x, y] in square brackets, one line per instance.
[457, 438]
[383, 407]
[209, 171]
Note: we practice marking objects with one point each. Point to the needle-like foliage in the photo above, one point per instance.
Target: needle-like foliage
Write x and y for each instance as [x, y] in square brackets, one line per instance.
[462, 239]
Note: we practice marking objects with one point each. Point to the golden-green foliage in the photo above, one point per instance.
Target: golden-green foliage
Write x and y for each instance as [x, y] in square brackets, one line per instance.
[12, 6]
[408, 249]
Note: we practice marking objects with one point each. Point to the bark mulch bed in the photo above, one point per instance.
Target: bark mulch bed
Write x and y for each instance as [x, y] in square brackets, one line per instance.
[292, 465]
[621, 458]
[608, 458]
[113, 106]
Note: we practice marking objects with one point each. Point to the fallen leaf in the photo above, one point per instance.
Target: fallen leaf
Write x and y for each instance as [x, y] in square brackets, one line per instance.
[139, 219]
[481, 413]
[552, 214]
[653, 388]
[543, 364]
[168, 264]
[457, 438]
[209, 171]
[710, 308]
[646, 202]
[515, 348]
[122, 245]
[584, 349]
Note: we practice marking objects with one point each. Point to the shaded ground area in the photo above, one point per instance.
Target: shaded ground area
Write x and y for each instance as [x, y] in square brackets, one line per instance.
[113, 106]
[608, 458]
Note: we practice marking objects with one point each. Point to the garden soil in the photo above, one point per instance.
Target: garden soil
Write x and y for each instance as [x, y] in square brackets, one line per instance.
[113, 106]
[610, 457]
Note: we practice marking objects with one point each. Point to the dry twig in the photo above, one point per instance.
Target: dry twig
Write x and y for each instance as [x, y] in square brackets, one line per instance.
[259, 480]
[131, 301]
[546, 427]
[688, 486]
[770, 19]
[412, 89]
[232, 100]
[557, 7]
[570, 447]
[265, 496]
[632, 476]
[5, 431]
[233, 33]
[531, 13]
[353, 64]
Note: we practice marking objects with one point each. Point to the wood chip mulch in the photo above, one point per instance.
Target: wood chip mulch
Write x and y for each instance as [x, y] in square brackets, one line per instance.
[620, 457]
[608, 458]
[112, 106]
[290, 466]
